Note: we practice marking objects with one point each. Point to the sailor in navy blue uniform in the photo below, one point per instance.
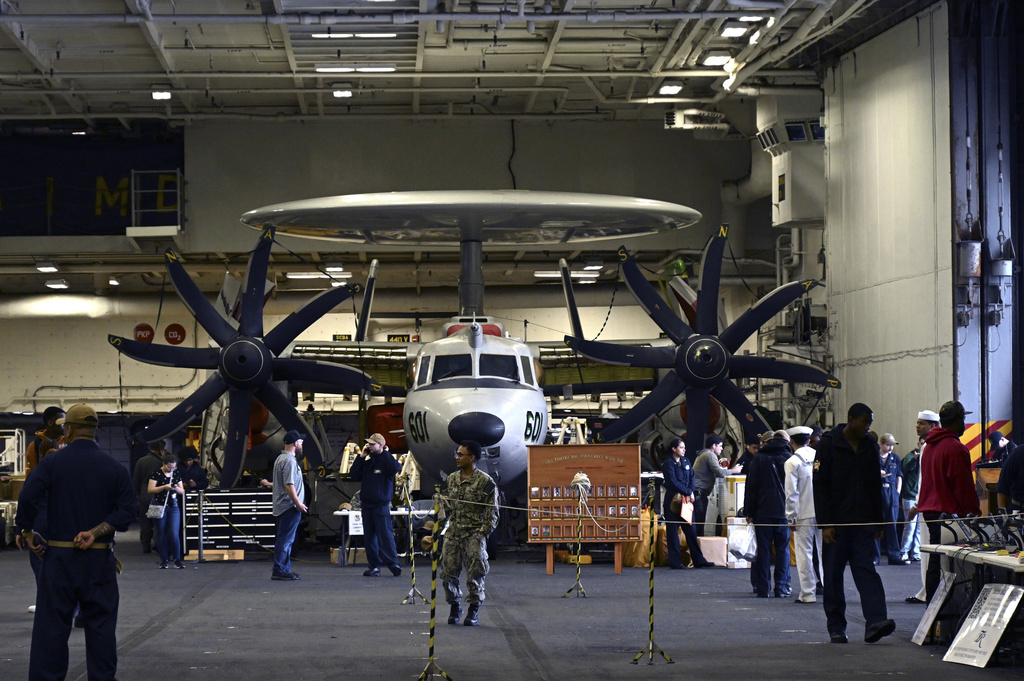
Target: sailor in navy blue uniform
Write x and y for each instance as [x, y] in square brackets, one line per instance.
[679, 480]
[87, 496]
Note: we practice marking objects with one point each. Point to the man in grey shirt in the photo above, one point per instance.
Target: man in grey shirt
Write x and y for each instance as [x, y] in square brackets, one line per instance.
[706, 471]
[288, 506]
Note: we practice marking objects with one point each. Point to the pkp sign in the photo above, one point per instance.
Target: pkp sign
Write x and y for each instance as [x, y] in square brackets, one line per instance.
[174, 334]
[144, 333]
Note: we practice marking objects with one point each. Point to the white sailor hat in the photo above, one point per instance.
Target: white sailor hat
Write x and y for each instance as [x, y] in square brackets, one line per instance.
[927, 415]
[799, 430]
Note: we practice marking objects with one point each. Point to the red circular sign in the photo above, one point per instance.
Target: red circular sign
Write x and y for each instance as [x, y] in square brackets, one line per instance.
[175, 334]
[144, 333]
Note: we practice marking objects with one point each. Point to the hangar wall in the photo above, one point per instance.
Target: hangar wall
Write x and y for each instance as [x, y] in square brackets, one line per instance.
[889, 228]
[234, 167]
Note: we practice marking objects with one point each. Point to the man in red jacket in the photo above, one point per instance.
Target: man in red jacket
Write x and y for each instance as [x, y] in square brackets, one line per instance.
[947, 484]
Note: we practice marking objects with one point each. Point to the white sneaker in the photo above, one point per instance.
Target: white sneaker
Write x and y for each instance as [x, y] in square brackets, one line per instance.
[31, 608]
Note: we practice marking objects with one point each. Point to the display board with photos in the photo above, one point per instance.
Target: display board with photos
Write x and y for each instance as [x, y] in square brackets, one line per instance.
[612, 512]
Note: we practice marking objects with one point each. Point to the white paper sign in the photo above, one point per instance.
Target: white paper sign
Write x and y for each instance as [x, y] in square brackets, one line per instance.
[984, 626]
[355, 522]
[934, 605]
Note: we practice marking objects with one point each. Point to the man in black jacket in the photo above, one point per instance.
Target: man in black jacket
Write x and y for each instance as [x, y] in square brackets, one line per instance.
[764, 503]
[376, 468]
[848, 504]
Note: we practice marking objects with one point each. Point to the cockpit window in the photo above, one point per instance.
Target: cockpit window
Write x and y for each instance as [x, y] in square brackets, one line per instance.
[424, 371]
[527, 363]
[446, 366]
[502, 366]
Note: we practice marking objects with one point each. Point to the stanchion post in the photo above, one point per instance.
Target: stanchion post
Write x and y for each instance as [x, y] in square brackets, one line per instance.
[578, 586]
[651, 648]
[432, 670]
[410, 599]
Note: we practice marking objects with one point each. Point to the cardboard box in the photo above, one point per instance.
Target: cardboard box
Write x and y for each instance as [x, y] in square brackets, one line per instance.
[222, 554]
[715, 549]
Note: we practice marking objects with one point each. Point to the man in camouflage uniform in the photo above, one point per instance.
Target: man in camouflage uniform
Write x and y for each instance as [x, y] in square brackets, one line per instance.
[470, 505]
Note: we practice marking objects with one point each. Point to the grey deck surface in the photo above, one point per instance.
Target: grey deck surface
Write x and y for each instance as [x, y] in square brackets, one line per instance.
[229, 621]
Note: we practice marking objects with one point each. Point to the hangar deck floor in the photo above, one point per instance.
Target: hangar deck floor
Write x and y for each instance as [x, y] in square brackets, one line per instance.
[229, 621]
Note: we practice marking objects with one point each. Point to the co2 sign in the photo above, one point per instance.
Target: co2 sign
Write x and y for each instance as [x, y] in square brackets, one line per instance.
[174, 334]
[144, 333]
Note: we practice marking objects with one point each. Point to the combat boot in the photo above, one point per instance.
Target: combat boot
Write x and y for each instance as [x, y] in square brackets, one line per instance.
[473, 616]
[456, 613]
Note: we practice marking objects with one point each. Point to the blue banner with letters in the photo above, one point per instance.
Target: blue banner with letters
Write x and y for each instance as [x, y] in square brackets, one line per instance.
[70, 185]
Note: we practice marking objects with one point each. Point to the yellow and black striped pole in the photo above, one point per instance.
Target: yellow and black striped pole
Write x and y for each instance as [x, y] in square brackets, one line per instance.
[578, 586]
[651, 646]
[413, 592]
[432, 670]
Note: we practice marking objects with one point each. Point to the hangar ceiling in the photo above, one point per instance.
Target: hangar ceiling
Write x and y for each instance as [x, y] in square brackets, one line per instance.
[96, 65]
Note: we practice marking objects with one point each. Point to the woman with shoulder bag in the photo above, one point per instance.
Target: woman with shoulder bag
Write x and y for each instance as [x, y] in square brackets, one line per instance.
[165, 485]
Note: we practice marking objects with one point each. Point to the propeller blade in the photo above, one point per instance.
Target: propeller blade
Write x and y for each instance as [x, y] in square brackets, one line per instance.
[278, 338]
[698, 415]
[570, 299]
[653, 403]
[166, 355]
[658, 310]
[250, 321]
[191, 407]
[236, 444]
[205, 313]
[662, 357]
[364, 315]
[763, 310]
[744, 366]
[274, 400]
[344, 377]
[707, 293]
[733, 399]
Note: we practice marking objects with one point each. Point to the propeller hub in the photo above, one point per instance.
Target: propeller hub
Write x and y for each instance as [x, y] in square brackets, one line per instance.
[245, 363]
[702, 361]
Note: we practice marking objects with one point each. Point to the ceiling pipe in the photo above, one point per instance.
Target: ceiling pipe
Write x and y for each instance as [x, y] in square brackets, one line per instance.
[551, 73]
[392, 18]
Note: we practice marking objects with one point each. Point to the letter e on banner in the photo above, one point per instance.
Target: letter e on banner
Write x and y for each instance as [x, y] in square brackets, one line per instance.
[174, 334]
[144, 333]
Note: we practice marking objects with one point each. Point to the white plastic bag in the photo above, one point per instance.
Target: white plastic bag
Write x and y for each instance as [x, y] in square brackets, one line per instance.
[742, 544]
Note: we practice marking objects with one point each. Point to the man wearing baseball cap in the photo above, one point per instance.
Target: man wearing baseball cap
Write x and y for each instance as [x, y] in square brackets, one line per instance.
[375, 468]
[947, 484]
[927, 420]
[79, 486]
[288, 504]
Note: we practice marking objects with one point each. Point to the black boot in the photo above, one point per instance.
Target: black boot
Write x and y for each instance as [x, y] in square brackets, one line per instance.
[473, 616]
[456, 613]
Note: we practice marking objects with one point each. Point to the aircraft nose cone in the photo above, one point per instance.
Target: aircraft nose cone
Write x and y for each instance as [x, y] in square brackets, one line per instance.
[487, 429]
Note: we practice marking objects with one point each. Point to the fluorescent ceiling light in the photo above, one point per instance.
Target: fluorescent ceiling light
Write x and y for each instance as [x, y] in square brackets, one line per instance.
[670, 87]
[161, 92]
[57, 283]
[328, 68]
[733, 29]
[555, 274]
[305, 275]
[376, 35]
[334, 267]
[46, 266]
[341, 90]
[382, 68]
[716, 58]
[328, 35]
[751, 19]
[114, 281]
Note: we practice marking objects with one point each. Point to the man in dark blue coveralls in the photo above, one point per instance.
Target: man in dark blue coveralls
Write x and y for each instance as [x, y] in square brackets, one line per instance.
[87, 496]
